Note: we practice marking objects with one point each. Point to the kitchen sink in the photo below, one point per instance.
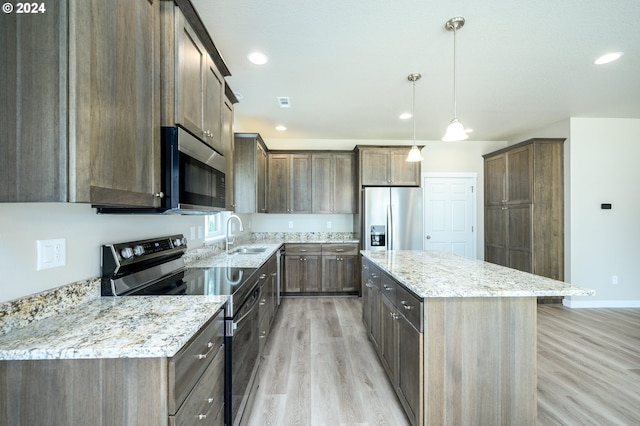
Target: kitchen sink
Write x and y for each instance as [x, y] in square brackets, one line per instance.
[248, 250]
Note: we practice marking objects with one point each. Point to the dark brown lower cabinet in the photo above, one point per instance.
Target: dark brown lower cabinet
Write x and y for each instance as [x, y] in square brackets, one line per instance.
[120, 391]
[268, 305]
[302, 270]
[393, 320]
[318, 268]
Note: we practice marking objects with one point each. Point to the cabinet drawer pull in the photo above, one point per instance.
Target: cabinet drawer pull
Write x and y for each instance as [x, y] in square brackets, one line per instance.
[159, 194]
[262, 276]
[204, 356]
[303, 250]
[405, 305]
[394, 316]
[339, 250]
[386, 287]
[202, 416]
[210, 400]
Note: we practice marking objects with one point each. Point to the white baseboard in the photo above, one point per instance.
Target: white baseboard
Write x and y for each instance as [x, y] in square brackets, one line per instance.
[600, 303]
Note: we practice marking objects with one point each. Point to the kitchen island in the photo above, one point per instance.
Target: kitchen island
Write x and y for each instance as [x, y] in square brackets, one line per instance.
[456, 336]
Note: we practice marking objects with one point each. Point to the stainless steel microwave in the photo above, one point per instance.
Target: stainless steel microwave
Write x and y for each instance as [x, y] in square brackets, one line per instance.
[193, 177]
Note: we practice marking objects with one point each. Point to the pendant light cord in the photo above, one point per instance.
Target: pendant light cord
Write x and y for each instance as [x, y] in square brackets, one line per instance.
[414, 112]
[455, 106]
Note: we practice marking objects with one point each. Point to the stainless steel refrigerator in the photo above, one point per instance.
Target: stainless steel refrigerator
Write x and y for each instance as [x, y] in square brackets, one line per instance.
[392, 218]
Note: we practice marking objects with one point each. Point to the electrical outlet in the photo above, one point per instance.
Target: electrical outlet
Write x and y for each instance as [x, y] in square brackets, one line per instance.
[50, 253]
[193, 233]
[614, 279]
[290, 224]
[200, 232]
[329, 224]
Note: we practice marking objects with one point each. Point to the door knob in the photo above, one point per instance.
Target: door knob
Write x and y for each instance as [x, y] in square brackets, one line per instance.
[428, 237]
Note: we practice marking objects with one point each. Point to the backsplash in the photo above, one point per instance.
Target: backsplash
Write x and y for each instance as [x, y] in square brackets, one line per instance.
[300, 237]
[35, 307]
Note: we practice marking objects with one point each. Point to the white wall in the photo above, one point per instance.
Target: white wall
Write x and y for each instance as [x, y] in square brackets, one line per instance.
[604, 168]
[301, 223]
[22, 224]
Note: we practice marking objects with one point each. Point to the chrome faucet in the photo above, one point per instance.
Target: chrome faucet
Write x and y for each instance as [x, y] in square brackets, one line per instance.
[230, 236]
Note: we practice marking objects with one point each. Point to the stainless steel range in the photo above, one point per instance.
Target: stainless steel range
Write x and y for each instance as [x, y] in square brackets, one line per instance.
[156, 267]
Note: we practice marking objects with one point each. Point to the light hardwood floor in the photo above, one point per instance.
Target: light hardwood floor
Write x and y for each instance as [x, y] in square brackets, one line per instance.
[588, 366]
[319, 368]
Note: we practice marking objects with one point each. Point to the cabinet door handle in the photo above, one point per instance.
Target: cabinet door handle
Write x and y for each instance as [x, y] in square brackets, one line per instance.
[386, 287]
[405, 305]
[159, 194]
[395, 316]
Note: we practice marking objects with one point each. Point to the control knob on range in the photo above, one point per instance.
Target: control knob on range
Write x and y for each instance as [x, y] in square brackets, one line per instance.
[138, 250]
[126, 253]
[179, 242]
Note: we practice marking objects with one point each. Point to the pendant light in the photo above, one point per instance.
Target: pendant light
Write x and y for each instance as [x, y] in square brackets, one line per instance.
[455, 130]
[414, 152]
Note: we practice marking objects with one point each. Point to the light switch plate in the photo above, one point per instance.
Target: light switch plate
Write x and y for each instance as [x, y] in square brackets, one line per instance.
[51, 253]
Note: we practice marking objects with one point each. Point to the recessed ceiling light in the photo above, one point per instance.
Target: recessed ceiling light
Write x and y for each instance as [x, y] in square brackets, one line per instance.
[258, 58]
[405, 116]
[609, 57]
[281, 128]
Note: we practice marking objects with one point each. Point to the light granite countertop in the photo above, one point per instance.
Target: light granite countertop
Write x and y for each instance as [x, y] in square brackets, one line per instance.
[74, 322]
[253, 260]
[113, 327]
[437, 274]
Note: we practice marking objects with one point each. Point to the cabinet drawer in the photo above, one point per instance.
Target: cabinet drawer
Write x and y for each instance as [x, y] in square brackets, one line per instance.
[186, 367]
[388, 287]
[302, 249]
[375, 275]
[207, 398]
[340, 249]
[409, 306]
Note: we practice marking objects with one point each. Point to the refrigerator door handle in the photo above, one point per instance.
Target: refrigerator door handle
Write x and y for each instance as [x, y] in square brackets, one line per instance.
[390, 227]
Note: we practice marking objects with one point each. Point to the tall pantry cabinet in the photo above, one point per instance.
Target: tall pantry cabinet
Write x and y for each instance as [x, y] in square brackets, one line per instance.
[524, 207]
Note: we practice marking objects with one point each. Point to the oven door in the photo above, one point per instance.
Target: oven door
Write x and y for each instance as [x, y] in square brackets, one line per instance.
[243, 351]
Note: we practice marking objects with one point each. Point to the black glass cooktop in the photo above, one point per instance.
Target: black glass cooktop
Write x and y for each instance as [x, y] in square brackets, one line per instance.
[214, 281]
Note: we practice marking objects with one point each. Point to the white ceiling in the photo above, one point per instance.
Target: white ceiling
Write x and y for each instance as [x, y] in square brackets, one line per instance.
[344, 64]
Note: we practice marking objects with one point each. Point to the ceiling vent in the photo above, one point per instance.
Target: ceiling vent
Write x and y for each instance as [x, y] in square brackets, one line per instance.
[284, 102]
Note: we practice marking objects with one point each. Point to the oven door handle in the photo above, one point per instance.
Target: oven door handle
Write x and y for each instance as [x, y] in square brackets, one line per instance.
[255, 304]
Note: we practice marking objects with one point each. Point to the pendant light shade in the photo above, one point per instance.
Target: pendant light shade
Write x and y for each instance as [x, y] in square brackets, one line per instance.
[414, 153]
[455, 130]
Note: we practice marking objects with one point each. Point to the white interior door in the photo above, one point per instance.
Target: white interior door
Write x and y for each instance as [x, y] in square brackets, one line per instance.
[450, 213]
